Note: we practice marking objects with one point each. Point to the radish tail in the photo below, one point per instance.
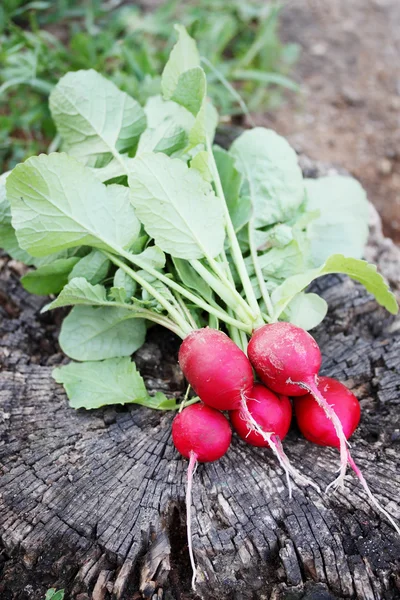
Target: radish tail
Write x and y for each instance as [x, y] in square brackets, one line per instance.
[370, 495]
[190, 472]
[311, 387]
[276, 446]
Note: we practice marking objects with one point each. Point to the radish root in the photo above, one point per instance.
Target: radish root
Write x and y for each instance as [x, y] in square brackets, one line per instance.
[276, 446]
[190, 472]
[370, 495]
[312, 388]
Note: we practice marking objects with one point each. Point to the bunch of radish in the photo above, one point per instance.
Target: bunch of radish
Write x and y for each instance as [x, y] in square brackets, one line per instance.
[287, 360]
[141, 219]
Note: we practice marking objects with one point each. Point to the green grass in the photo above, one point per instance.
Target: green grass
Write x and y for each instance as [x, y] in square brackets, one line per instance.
[239, 42]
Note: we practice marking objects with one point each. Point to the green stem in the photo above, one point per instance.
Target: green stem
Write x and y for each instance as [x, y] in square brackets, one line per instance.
[187, 403]
[155, 318]
[235, 248]
[234, 334]
[185, 398]
[258, 271]
[229, 283]
[244, 341]
[186, 311]
[231, 299]
[219, 313]
[171, 310]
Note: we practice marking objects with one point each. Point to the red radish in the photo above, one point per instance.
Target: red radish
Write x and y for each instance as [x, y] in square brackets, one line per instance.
[312, 420]
[287, 359]
[216, 368]
[284, 355]
[271, 412]
[200, 434]
[265, 422]
[319, 429]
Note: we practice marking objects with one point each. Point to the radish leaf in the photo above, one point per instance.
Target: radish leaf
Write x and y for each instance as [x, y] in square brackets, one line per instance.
[51, 278]
[306, 310]
[80, 291]
[113, 381]
[177, 207]
[342, 225]
[272, 178]
[57, 203]
[359, 270]
[191, 89]
[93, 267]
[95, 119]
[95, 333]
[184, 56]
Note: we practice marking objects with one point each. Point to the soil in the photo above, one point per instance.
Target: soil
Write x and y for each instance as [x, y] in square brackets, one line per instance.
[348, 113]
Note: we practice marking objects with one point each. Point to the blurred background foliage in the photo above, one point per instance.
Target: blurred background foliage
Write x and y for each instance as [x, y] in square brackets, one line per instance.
[42, 40]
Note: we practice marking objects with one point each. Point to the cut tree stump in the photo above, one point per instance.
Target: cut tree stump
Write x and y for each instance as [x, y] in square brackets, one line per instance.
[93, 502]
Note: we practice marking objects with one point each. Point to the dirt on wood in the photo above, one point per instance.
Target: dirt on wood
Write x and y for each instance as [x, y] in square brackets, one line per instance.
[348, 112]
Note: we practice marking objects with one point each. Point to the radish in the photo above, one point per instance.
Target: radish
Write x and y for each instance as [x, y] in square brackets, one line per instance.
[201, 434]
[287, 359]
[216, 368]
[222, 376]
[264, 421]
[312, 420]
[319, 429]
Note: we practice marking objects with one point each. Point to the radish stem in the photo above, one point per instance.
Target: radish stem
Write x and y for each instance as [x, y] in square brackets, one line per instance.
[258, 270]
[217, 312]
[236, 251]
[173, 312]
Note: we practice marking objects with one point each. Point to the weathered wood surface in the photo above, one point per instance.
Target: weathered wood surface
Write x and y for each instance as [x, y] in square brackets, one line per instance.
[94, 501]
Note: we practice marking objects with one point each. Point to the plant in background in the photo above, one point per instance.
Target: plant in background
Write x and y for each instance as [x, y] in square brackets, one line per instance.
[40, 42]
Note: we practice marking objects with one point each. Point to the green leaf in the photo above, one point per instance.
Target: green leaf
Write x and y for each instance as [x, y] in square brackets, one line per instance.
[272, 177]
[59, 595]
[118, 294]
[53, 594]
[153, 257]
[123, 282]
[8, 239]
[278, 236]
[306, 310]
[51, 278]
[168, 127]
[177, 207]
[95, 333]
[184, 56]
[113, 381]
[205, 124]
[239, 208]
[80, 291]
[201, 163]
[343, 222]
[93, 267]
[191, 89]
[57, 203]
[359, 270]
[285, 262]
[113, 170]
[191, 279]
[95, 119]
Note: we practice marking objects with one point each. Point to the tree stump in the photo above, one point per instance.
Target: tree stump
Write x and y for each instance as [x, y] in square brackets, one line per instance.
[93, 502]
